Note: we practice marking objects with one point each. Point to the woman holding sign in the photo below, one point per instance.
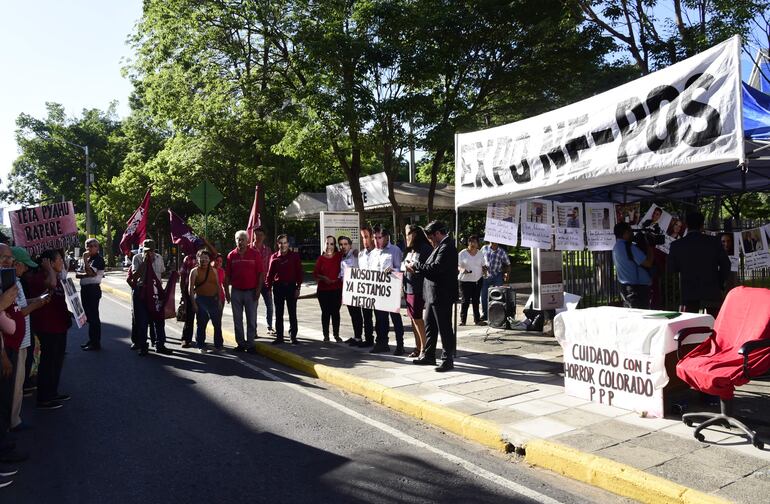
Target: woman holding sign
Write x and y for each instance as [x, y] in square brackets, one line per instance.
[327, 273]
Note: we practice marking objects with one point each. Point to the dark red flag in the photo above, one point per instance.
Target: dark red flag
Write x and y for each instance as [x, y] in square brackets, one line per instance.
[182, 235]
[137, 225]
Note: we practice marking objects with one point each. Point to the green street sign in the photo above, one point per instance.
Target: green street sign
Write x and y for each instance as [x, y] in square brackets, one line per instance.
[206, 196]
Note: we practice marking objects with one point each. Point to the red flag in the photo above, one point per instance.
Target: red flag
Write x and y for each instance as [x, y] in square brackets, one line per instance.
[254, 219]
[137, 225]
[182, 235]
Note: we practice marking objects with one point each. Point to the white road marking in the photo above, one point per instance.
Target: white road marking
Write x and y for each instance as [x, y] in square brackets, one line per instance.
[468, 466]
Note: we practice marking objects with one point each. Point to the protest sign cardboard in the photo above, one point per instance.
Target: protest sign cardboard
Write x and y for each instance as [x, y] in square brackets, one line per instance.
[754, 247]
[337, 224]
[45, 227]
[376, 290]
[502, 224]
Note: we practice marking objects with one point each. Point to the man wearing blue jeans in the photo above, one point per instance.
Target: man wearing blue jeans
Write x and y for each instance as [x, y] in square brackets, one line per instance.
[496, 263]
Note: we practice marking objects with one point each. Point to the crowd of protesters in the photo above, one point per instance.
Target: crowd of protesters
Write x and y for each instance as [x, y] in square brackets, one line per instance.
[35, 320]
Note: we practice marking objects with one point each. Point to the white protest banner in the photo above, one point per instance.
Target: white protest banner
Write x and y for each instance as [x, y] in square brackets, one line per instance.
[374, 191]
[681, 117]
[502, 224]
[73, 301]
[600, 222]
[338, 224]
[372, 289]
[569, 226]
[755, 251]
[45, 227]
[536, 224]
[608, 376]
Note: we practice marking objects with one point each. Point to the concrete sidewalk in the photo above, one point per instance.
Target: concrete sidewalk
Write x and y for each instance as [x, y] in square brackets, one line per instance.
[507, 393]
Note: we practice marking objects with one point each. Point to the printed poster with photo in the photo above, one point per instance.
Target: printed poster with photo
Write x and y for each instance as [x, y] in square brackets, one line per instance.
[600, 223]
[502, 224]
[675, 230]
[754, 246]
[657, 220]
[628, 212]
[729, 242]
[536, 220]
[73, 301]
[569, 226]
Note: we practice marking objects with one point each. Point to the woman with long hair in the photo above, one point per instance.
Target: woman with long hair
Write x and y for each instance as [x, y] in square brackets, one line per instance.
[417, 250]
[327, 274]
[469, 265]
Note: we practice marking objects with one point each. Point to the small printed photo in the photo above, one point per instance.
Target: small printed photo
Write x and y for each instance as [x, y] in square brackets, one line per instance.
[752, 241]
[628, 213]
[728, 243]
[537, 212]
[573, 218]
[675, 228]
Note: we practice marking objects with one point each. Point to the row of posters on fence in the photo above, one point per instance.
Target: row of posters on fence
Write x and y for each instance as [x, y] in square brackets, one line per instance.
[549, 224]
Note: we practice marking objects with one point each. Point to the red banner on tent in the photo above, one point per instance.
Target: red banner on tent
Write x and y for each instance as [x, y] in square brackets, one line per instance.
[137, 225]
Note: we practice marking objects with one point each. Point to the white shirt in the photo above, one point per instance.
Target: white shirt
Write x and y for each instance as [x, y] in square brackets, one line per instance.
[470, 262]
[386, 257]
[157, 265]
[349, 261]
[364, 258]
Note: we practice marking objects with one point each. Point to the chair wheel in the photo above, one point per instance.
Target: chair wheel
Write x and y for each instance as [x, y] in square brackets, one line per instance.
[687, 422]
[700, 437]
[759, 444]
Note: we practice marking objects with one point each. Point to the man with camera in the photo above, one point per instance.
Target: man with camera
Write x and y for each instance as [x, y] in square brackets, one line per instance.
[632, 267]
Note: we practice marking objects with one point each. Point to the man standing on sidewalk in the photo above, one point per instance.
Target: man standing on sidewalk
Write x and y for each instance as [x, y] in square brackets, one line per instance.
[496, 262]
[387, 258]
[265, 252]
[140, 273]
[364, 262]
[284, 276]
[90, 272]
[350, 260]
[440, 293]
[244, 272]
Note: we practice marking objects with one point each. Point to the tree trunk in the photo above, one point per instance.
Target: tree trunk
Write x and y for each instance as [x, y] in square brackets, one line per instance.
[438, 158]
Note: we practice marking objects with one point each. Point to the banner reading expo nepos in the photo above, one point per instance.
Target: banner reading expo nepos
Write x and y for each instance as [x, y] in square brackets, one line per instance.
[681, 117]
[45, 227]
[371, 289]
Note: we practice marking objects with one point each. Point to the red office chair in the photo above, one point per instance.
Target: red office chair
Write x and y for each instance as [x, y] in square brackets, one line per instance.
[737, 350]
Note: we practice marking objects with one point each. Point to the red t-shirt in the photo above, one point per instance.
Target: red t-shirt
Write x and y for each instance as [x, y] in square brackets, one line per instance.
[330, 268]
[243, 270]
[13, 341]
[285, 268]
[54, 317]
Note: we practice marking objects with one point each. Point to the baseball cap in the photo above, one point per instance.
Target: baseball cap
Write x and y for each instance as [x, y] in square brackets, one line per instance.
[21, 255]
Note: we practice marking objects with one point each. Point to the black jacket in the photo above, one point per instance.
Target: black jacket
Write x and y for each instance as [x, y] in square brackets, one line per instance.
[413, 282]
[440, 273]
[703, 266]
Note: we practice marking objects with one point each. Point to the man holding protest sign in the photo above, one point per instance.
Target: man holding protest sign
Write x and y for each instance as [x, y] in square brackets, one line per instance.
[440, 293]
[364, 260]
[386, 258]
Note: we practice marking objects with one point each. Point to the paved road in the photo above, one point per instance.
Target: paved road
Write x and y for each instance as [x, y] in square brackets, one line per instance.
[219, 428]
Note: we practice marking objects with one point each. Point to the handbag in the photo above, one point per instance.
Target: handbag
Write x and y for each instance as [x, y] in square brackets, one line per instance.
[181, 311]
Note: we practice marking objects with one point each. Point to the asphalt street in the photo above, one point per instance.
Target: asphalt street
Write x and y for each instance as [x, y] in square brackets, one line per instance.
[230, 428]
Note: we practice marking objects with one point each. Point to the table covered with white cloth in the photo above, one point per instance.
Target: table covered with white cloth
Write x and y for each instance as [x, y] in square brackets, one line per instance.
[616, 356]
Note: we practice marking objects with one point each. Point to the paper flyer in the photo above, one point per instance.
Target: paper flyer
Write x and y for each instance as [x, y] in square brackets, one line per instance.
[536, 221]
[569, 226]
[600, 223]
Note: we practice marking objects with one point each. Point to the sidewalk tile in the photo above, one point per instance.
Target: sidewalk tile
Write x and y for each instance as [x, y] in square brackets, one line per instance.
[635, 456]
[602, 409]
[662, 441]
[474, 386]
[617, 430]
[586, 441]
[724, 460]
[503, 416]
[540, 427]
[459, 378]
[443, 398]
[501, 392]
[633, 418]
[715, 435]
[698, 477]
[394, 381]
[576, 417]
[471, 406]
[566, 400]
[538, 408]
[746, 491]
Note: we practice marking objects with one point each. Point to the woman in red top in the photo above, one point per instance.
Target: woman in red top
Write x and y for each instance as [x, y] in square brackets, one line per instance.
[327, 273]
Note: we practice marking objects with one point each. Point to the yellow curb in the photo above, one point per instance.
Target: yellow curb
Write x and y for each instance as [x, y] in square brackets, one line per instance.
[613, 476]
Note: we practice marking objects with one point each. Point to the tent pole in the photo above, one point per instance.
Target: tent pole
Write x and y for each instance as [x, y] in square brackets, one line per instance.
[457, 242]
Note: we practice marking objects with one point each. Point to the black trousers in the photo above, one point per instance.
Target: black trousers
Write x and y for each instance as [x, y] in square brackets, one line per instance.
[52, 347]
[471, 292]
[189, 318]
[6, 396]
[90, 294]
[438, 321]
[635, 296]
[368, 315]
[285, 294]
[331, 302]
[383, 320]
[357, 319]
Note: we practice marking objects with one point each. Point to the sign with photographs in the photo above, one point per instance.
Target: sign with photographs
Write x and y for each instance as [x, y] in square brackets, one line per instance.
[536, 224]
[73, 301]
[502, 224]
[340, 224]
[569, 226]
[754, 247]
[600, 223]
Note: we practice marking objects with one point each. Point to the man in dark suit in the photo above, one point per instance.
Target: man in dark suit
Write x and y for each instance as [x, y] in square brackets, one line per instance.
[703, 267]
[440, 293]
